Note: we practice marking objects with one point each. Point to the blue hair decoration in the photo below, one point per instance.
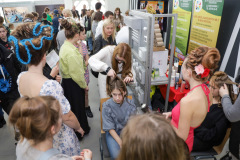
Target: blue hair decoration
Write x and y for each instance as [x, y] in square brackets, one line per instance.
[23, 42]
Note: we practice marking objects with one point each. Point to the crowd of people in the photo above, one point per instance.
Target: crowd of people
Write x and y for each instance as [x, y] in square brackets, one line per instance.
[49, 107]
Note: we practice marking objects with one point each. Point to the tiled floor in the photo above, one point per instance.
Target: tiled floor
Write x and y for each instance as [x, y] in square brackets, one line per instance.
[91, 141]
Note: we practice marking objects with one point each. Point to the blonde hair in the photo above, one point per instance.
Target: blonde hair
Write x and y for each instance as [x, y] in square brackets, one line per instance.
[106, 23]
[151, 137]
[68, 12]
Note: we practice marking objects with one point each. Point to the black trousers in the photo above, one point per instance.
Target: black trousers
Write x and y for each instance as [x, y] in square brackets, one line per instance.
[76, 98]
[8, 100]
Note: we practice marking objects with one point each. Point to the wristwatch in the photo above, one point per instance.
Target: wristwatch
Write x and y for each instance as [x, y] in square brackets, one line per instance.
[108, 69]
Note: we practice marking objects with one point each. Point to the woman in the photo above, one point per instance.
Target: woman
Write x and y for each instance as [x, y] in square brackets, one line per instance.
[38, 132]
[190, 112]
[110, 61]
[116, 112]
[213, 129]
[118, 19]
[106, 38]
[151, 137]
[83, 50]
[97, 18]
[72, 68]
[232, 110]
[33, 83]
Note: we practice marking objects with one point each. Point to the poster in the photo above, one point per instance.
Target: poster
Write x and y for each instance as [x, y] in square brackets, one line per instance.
[154, 5]
[40, 8]
[142, 5]
[205, 24]
[184, 10]
[14, 14]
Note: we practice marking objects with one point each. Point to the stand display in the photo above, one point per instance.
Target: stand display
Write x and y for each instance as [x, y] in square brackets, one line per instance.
[149, 56]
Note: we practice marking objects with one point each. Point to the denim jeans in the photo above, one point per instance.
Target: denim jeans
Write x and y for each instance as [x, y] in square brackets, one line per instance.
[90, 43]
[113, 146]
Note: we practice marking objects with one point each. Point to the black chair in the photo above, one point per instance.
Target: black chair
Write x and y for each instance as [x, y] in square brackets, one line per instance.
[103, 147]
[205, 155]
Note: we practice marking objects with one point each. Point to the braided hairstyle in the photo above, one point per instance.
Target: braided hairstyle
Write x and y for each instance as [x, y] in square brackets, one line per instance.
[123, 52]
[208, 57]
[220, 78]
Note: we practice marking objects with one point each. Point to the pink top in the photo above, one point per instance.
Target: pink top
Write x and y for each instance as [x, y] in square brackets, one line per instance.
[176, 115]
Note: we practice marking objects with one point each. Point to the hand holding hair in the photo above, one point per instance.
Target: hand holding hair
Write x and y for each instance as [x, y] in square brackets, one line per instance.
[128, 79]
[111, 73]
[223, 90]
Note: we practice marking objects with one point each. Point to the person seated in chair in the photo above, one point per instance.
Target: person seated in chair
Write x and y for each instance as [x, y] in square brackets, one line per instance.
[213, 129]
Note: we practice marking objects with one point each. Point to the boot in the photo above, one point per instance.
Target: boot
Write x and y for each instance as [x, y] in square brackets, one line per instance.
[88, 112]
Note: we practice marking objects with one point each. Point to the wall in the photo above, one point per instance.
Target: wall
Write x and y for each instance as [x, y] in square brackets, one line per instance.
[122, 4]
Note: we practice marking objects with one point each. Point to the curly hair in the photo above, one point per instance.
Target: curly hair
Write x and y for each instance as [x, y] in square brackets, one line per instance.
[220, 78]
[123, 52]
[25, 31]
[208, 57]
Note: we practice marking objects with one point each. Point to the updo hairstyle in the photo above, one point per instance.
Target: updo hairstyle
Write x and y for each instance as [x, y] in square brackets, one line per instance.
[115, 83]
[25, 31]
[220, 78]
[208, 57]
[70, 29]
[34, 117]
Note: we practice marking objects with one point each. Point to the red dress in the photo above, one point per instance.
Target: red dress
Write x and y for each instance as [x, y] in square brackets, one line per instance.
[176, 115]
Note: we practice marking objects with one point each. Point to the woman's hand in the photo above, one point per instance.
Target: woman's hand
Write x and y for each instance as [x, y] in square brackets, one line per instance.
[111, 73]
[128, 79]
[120, 143]
[54, 71]
[58, 78]
[223, 90]
[86, 153]
[81, 131]
[86, 89]
[168, 114]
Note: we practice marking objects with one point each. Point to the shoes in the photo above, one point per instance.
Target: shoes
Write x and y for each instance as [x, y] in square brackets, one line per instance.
[2, 121]
[88, 112]
[87, 131]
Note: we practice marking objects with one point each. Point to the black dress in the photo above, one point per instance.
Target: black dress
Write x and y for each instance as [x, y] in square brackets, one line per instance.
[76, 97]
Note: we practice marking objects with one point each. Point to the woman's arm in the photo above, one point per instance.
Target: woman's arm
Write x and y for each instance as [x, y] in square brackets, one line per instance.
[116, 137]
[71, 120]
[96, 61]
[231, 111]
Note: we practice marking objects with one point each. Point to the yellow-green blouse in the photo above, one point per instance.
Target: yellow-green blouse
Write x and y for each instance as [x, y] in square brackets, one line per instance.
[72, 64]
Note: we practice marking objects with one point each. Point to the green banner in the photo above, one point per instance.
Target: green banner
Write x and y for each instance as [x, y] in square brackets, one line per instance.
[205, 24]
[184, 10]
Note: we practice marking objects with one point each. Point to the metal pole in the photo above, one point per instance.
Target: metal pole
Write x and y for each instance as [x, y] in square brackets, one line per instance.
[171, 60]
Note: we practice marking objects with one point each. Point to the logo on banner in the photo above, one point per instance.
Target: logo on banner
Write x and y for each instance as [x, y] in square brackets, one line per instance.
[198, 5]
[176, 4]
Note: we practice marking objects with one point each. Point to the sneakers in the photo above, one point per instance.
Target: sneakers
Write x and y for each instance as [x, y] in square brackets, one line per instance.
[88, 112]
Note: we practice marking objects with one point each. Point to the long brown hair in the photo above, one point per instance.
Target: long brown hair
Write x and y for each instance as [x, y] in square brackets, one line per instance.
[34, 117]
[150, 137]
[123, 51]
[115, 83]
[115, 15]
[220, 78]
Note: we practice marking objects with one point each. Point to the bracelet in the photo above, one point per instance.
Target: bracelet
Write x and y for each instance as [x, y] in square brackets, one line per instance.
[108, 69]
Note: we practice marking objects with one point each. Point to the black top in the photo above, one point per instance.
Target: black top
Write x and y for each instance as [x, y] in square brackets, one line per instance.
[46, 22]
[99, 43]
[5, 44]
[76, 11]
[212, 130]
[234, 141]
[11, 69]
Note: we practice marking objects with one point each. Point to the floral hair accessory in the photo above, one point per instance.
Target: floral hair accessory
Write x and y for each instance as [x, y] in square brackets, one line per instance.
[199, 69]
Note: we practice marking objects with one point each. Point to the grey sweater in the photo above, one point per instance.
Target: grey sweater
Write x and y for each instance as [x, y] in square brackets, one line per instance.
[232, 111]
